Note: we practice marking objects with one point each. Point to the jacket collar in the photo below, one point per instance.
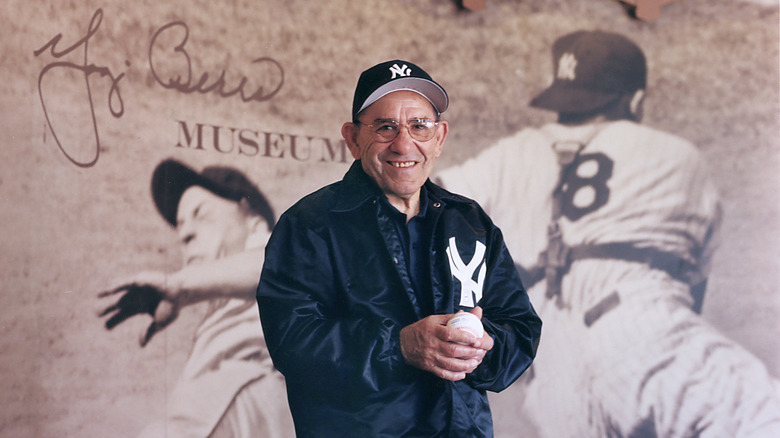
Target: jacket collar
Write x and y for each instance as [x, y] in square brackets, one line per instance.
[358, 188]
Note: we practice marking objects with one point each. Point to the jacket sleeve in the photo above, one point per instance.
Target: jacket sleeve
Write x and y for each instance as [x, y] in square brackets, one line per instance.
[319, 347]
[509, 318]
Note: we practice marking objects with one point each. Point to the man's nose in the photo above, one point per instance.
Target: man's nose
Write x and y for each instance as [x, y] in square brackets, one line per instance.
[186, 233]
[404, 142]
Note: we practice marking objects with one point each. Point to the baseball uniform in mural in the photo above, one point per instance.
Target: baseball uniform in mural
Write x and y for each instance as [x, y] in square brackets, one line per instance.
[229, 387]
[613, 226]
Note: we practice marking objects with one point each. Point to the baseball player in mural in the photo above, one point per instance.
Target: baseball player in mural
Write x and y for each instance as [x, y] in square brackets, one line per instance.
[613, 226]
[229, 387]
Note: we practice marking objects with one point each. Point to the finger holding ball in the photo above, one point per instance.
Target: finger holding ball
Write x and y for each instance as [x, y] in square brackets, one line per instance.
[467, 322]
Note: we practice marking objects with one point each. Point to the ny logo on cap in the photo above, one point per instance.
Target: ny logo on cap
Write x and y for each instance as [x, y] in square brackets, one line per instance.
[567, 66]
[400, 71]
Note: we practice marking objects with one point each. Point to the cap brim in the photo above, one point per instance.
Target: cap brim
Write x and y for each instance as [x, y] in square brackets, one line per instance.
[567, 99]
[169, 181]
[428, 89]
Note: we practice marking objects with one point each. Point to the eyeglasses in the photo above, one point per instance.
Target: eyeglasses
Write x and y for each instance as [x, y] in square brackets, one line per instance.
[385, 130]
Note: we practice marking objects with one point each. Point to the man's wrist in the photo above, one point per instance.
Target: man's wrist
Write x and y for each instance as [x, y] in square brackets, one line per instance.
[174, 285]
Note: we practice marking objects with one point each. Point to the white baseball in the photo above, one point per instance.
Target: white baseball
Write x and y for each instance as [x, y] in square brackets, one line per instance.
[468, 322]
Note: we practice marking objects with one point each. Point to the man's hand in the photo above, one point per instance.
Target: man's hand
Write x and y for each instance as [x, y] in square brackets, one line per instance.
[147, 292]
[444, 351]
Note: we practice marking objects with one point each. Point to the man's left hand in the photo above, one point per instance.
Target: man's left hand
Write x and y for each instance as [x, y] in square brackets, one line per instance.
[447, 352]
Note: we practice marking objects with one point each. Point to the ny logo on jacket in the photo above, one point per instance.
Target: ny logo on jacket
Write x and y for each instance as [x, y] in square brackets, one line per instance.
[470, 290]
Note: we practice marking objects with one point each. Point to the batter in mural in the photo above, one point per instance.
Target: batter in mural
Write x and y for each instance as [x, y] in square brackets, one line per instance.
[362, 276]
[613, 226]
[229, 387]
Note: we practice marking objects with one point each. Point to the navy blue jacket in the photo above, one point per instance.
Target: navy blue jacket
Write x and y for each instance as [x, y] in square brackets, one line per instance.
[335, 292]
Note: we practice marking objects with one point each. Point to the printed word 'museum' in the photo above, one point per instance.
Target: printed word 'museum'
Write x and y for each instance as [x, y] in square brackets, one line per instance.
[252, 142]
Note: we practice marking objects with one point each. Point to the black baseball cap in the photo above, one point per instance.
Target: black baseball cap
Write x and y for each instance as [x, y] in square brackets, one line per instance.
[592, 69]
[396, 75]
[171, 179]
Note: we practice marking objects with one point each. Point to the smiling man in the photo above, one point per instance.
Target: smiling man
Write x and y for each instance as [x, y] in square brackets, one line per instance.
[361, 277]
[400, 167]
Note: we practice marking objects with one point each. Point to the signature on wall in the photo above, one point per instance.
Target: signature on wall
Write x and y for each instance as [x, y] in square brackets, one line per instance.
[181, 79]
[163, 56]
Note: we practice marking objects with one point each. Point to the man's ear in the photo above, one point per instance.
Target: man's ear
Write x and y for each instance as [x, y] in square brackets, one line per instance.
[349, 131]
[253, 220]
[441, 135]
[636, 106]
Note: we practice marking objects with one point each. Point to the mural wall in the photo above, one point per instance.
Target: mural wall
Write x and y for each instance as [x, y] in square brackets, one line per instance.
[95, 94]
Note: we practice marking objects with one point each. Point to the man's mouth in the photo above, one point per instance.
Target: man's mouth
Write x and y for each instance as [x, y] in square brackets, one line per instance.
[402, 164]
[194, 259]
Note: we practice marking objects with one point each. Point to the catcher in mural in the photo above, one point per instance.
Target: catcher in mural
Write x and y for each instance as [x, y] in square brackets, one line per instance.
[229, 387]
[613, 225]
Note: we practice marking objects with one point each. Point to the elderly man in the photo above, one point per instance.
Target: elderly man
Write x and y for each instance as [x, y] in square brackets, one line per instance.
[228, 387]
[362, 276]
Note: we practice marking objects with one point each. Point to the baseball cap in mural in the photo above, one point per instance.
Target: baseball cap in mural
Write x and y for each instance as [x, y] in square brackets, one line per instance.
[396, 75]
[171, 179]
[592, 68]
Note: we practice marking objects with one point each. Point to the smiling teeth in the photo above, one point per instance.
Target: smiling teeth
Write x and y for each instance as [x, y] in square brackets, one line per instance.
[405, 164]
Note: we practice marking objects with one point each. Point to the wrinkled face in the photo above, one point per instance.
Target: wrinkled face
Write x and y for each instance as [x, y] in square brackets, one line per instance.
[209, 226]
[400, 167]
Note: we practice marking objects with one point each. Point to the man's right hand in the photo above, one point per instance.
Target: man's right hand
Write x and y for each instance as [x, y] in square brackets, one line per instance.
[447, 352]
[147, 292]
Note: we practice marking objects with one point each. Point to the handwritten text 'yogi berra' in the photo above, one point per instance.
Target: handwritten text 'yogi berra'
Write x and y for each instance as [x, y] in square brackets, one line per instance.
[64, 84]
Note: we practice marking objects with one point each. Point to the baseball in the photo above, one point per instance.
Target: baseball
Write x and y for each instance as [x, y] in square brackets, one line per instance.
[468, 322]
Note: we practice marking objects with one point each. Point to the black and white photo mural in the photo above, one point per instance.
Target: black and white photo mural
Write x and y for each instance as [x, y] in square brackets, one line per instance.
[646, 233]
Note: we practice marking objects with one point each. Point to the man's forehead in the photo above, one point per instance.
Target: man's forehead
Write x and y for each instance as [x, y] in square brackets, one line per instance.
[195, 196]
[407, 99]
